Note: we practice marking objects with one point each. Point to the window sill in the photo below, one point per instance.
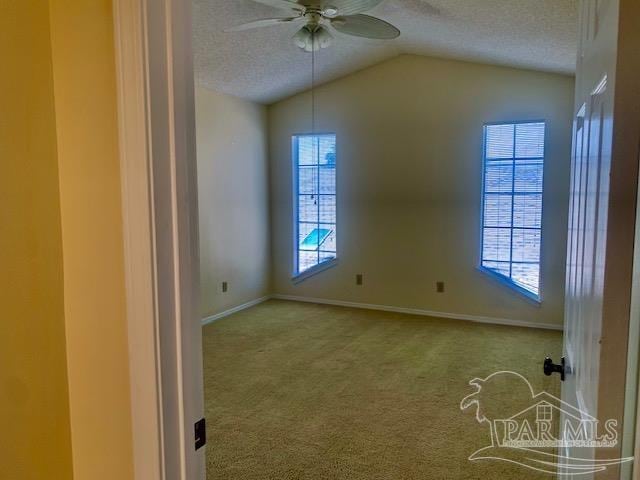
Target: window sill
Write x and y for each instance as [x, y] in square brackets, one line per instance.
[314, 270]
[536, 300]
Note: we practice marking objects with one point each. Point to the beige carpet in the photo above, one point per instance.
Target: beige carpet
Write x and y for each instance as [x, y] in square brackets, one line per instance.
[303, 391]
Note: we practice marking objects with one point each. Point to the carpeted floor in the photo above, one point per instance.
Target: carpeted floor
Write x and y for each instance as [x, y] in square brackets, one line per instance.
[304, 391]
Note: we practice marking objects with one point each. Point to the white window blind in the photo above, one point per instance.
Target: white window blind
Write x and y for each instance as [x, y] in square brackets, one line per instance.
[314, 158]
[512, 203]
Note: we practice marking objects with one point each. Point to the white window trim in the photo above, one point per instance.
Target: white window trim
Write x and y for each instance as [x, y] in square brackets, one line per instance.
[513, 287]
[321, 267]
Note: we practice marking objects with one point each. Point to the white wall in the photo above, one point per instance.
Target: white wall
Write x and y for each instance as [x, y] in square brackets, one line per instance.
[233, 200]
[409, 148]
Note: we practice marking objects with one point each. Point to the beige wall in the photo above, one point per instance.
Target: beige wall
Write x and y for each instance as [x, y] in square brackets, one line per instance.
[233, 200]
[409, 144]
[96, 329]
[35, 438]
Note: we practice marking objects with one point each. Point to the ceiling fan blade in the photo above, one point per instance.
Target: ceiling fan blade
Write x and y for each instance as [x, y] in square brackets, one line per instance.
[365, 26]
[282, 4]
[350, 7]
[267, 22]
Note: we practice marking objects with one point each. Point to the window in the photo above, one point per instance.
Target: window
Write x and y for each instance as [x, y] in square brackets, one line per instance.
[512, 203]
[314, 160]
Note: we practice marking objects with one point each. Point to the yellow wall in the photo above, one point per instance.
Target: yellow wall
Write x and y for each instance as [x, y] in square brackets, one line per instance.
[34, 409]
[233, 200]
[97, 352]
[409, 144]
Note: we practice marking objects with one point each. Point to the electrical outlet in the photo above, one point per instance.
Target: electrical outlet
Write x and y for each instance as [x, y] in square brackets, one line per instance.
[359, 279]
[225, 287]
[440, 287]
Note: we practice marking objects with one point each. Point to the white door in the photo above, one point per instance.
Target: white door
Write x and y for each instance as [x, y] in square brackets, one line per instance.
[595, 236]
[585, 275]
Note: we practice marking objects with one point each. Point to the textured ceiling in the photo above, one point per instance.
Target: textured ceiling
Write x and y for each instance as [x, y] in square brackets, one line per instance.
[264, 66]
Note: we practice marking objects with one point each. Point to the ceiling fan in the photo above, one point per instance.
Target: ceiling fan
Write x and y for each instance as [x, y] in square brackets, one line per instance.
[345, 16]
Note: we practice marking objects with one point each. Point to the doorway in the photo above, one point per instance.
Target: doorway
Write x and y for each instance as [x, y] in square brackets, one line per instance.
[407, 245]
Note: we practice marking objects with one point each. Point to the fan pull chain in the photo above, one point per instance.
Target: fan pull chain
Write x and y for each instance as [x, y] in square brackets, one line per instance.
[313, 102]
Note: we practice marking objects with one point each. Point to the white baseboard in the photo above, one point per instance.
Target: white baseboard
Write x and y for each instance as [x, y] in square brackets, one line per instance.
[226, 313]
[385, 308]
[417, 311]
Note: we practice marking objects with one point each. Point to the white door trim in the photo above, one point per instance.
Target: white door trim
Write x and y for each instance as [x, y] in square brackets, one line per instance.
[157, 150]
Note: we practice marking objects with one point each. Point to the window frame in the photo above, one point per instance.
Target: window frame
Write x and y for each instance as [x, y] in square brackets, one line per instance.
[503, 279]
[296, 276]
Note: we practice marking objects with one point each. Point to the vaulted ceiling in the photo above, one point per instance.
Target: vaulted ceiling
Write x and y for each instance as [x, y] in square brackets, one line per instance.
[263, 65]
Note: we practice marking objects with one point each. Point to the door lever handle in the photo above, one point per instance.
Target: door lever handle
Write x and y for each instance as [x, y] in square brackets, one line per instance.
[549, 367]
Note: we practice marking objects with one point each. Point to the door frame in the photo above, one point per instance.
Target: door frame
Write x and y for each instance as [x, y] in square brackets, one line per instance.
[156, 121]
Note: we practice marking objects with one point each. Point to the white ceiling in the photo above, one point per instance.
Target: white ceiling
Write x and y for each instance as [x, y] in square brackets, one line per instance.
[264, 66]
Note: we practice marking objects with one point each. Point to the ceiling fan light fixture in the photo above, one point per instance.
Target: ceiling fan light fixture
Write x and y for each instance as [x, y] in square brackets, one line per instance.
[322, 37]
[330, 11]
[302, 37]
[312, 42]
